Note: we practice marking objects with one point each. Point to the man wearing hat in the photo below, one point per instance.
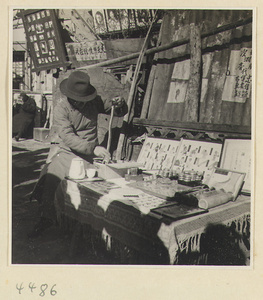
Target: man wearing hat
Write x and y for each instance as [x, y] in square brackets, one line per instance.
[76, 120]
[23, 121]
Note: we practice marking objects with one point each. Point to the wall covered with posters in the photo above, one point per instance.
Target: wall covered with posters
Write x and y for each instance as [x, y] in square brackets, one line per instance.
[225, 73]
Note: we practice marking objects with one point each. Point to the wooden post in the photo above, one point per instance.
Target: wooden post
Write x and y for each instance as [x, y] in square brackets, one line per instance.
[132, 92]
[147, 97]
[110, 129]
[191, 111]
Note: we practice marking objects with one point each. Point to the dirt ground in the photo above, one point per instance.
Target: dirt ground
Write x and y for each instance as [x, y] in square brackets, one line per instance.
[54, 246]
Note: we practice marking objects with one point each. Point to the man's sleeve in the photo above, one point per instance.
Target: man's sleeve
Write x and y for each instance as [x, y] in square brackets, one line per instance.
[105, 108]
[68, 135]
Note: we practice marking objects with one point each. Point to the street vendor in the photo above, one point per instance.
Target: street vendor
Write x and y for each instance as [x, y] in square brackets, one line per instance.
[76, 120]
[23, 121]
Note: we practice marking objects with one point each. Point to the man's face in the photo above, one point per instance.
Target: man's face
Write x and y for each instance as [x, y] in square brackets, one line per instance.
[77, 104]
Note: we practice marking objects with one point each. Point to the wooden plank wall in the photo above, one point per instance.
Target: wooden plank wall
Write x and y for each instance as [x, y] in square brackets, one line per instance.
[216, 52]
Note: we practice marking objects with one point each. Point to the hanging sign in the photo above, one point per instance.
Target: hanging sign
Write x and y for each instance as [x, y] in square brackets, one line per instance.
[237, 86]
[86, 51]
[44, 40]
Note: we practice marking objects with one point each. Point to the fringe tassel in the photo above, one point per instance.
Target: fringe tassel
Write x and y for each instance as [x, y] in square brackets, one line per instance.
[191, 242]
[107, 239]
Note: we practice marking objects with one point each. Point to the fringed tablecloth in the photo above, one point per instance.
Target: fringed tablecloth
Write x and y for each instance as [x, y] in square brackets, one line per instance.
[185, 235]
[123, 223]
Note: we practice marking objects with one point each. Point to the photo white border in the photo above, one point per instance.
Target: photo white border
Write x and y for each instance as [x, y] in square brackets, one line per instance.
[98, 282]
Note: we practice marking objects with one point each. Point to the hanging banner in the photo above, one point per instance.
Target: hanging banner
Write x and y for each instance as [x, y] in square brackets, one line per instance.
[44, 40]
[237, 87]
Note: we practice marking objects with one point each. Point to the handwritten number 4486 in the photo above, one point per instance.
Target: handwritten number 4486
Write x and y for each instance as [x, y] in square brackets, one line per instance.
[43, 289]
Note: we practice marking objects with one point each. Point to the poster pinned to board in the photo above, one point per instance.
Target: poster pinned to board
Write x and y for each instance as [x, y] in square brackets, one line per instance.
[99, 21]
[237, 87]
[179, 82]
[181, 70]
[177, 91]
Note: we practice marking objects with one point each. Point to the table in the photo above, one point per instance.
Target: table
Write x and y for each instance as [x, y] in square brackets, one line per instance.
[120, 222]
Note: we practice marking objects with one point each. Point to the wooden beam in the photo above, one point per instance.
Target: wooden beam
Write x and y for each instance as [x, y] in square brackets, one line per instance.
[228, 128]
[168, 46]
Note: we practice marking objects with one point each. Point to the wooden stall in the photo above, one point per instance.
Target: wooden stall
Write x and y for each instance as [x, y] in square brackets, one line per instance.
[208, 78]
[194, 169]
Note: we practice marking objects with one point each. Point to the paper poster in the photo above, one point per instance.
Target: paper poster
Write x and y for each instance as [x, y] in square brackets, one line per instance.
[237, 86]
[113, 19]
[99, 21]
[181, 70]
[143, 17]
[177, 91]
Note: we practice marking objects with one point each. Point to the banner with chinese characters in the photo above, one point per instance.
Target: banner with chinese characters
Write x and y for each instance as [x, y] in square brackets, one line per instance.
[237, 87]
[44, 40]
[85, 51]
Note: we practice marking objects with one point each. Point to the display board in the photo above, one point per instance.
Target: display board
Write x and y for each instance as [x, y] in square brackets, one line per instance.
[199, 156]
[236, 156]
[158, 154]
[44, 39]
[178, 156]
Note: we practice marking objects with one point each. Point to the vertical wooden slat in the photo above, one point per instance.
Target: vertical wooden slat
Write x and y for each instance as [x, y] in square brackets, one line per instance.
[193, 90]
[147, 97]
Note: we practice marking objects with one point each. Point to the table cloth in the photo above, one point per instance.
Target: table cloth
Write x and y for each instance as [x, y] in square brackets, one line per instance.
[121, 220]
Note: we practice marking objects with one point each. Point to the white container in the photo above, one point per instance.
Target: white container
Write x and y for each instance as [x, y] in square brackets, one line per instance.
[77, 170]
[91, 173]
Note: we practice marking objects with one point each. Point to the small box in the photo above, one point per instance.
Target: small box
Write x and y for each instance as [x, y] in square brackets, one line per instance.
[114, 170]
[223, 186]
[41, 134]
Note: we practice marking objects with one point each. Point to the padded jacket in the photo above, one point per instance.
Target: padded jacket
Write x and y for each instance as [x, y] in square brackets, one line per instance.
[77, 130]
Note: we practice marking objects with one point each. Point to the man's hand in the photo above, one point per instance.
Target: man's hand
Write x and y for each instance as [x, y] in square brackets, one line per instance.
[102, 152]
[117, 102]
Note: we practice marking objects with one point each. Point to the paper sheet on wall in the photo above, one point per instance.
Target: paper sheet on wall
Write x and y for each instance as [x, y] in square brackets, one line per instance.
[237, 87]
[177, 91]
[181, 70]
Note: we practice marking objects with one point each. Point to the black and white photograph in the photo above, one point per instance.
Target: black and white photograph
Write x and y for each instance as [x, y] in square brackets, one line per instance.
[80, 195]
[131, 145]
